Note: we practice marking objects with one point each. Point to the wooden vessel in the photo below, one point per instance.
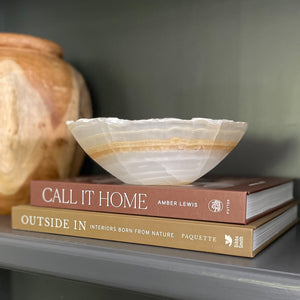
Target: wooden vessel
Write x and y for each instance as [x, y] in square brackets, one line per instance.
[39, 92]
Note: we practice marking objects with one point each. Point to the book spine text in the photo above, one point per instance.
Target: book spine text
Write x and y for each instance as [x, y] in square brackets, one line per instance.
[185, 203]
[183, 234]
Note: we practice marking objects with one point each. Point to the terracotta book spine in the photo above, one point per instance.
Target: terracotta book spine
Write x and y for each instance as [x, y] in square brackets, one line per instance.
[173, 202]
[183, 234]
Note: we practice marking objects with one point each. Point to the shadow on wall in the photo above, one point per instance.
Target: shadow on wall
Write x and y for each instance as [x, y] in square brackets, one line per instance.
[90, 167]
[297, 189]
[258, 157]
[107, 92]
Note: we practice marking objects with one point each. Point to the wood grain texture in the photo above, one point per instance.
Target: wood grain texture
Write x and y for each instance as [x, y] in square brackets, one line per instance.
[39, 92]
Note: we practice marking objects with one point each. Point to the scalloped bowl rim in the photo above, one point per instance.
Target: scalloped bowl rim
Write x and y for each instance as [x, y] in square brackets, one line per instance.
[120, 121]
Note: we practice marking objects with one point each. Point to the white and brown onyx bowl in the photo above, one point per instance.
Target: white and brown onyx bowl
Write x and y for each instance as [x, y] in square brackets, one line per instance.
[166, 151]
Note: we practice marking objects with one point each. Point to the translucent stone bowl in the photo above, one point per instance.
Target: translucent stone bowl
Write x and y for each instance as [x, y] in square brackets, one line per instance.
[165, 151]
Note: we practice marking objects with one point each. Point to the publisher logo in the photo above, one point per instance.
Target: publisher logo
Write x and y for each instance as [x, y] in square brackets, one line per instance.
[215, 206]
[228, 240]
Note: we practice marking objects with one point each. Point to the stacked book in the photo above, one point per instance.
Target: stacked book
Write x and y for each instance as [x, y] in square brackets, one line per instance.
[227, 215]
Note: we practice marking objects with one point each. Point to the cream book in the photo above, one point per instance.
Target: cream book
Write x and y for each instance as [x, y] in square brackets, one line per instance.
[224, 238]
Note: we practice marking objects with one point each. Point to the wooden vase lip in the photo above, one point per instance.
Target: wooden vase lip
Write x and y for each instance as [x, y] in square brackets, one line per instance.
[29, 42]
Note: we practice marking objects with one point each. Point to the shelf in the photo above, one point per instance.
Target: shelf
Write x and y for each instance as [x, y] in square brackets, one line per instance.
[178, 274]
